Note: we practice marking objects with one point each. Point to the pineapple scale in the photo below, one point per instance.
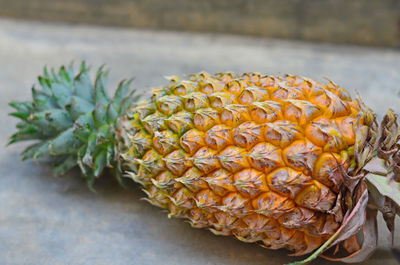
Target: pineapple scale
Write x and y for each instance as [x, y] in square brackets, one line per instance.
[251, 155]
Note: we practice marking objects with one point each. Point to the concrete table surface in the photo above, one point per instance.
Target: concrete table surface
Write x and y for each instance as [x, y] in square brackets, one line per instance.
[46, 220]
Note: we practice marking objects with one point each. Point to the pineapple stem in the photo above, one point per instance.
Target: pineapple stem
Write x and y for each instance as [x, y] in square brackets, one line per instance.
[73, 121]
[318, 252]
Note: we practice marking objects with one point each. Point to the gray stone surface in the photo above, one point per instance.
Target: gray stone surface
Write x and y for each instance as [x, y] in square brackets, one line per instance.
[46, 220]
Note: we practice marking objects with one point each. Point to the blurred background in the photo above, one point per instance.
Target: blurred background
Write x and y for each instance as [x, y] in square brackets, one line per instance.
[58, 221]
[364, 22]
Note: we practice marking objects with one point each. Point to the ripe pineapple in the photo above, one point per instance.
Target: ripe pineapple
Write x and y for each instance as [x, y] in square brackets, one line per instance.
[287, 162]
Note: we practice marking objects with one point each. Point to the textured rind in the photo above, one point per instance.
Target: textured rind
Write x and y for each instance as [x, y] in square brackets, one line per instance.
[248, 155]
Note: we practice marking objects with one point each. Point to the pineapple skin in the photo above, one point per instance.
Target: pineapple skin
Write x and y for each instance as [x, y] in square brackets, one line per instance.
[251, 155]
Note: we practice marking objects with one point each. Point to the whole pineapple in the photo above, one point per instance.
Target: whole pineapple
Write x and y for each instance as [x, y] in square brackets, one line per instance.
[283, 161]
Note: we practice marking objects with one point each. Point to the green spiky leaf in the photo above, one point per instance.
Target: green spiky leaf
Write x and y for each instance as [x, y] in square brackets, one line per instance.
[121, 92]
[100, 162]
[62, 93]
[20, 115]
[111, 113]
[31, 150]
[27, 132]
[65, 143]
[25, 107]
[84, 126]
[83, 86]
[64, 165]
[42, 151]
[100, 91]
[78, 106]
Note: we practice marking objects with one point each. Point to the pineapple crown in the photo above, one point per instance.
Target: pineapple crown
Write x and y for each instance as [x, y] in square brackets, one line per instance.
[73, 121]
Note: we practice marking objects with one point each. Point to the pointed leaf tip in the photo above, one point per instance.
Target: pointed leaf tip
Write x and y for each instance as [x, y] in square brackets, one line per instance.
[100, 163]
[100, 88]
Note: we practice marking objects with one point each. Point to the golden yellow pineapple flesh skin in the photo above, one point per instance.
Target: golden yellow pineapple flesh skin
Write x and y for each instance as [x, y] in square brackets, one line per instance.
[249, 155]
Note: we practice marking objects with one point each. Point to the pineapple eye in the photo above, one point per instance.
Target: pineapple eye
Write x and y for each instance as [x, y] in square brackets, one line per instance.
[225, 77]
[180, 122]
[204, 119]
[235, 114]
[235, 87]
[267, 81]
[180, 90]
[196, 101]
[217, 103]
[192, 141]
[185, 88]
[253, 94]
[220, 100]
[204, 76]
[250, 182]
[169, 105]
[176, 162]
[206, 160]
[246, 98]
[208, 89]
[233, 158]
[316, 197]
[165, 142]
[173, 80]
[218, 137]
[265, 157]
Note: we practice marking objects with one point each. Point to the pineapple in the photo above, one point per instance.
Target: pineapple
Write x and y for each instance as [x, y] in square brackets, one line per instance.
[286, 162]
